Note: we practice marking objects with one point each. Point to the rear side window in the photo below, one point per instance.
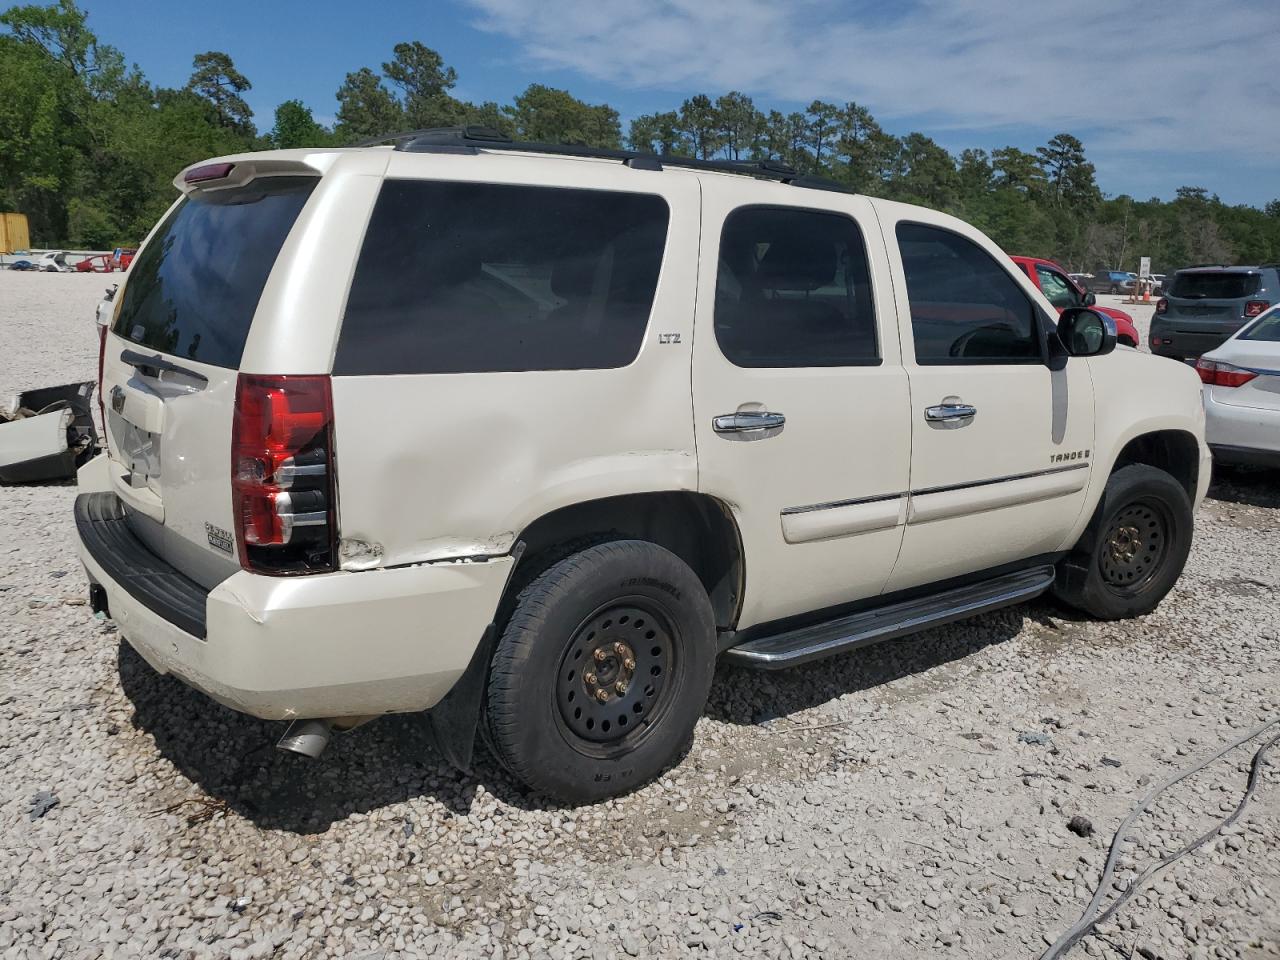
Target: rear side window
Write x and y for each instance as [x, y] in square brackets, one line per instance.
[793, 290]
[481, 277]
[1215, 286]
[194, 289]
[965, 307]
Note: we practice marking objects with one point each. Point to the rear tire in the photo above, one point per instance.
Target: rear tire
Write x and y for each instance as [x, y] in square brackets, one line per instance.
[601, 672]
[1134, 548]
[1128, 342]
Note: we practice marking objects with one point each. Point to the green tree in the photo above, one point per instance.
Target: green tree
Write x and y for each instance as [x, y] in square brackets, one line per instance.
[700, 124]
[928, 173]
[1018, 170]
[216, 78]
[823, 123]
[658, 133]
[739, 124]
[424, 81]
[366, 108]
[295, 127]
[547, 115]
[1070, 176]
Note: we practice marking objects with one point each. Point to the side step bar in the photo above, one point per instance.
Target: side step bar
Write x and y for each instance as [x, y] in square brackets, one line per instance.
[866, 627]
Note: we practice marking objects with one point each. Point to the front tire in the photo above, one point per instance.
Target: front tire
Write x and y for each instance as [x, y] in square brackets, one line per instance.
[601, 672]
[1133, 550]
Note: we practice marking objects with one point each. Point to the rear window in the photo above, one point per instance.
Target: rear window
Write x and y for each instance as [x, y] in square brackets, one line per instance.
[481, 277]
[1266, 327]
[1215, 286]
[193, 291]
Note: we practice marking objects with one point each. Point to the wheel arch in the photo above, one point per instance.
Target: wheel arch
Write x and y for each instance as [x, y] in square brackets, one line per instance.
[696, 527]
[1176, 452]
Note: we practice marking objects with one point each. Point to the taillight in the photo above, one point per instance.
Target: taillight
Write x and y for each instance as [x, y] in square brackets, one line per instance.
[1254, 308]
[282, 474]
[1220, 374]
[1162, 305]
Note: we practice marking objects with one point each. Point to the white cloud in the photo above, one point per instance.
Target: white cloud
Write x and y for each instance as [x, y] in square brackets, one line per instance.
[1143, 79]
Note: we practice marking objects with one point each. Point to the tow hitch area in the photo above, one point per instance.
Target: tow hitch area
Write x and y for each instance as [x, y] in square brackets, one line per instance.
[45, 434]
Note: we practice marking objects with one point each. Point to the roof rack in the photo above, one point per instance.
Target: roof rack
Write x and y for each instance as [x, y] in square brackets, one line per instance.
[472, 139]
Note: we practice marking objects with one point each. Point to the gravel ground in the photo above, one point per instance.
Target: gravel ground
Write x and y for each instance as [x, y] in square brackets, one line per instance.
[904, 800]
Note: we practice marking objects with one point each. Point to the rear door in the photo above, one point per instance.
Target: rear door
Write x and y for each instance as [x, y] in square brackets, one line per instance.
[800, 399]
[1001, 444]
[172, 356]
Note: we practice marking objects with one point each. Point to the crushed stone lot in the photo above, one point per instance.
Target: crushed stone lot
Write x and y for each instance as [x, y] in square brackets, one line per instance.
[907, 800]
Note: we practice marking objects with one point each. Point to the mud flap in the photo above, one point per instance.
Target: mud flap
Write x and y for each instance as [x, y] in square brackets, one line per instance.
[453, 721]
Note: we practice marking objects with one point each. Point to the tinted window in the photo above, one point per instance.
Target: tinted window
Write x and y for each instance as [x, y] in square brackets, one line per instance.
[480, 277]
[793, 290]
[1215, 286]
[1057, 289]
[193, 291]
[965, 308]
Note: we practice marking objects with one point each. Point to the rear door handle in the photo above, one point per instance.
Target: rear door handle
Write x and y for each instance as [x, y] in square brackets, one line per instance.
[950, 413]
[747, 422]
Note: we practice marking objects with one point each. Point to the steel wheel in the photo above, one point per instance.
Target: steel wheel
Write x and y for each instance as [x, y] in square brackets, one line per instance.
[1134, 546]
[612, 684]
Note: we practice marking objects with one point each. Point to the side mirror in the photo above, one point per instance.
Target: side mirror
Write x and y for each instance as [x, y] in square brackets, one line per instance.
[1089, 298]
[1086, 333]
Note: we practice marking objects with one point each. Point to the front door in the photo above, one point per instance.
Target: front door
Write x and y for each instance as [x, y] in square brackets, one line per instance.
[1001, 443]
[800, 398]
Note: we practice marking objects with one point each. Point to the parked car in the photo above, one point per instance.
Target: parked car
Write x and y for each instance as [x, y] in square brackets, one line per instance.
[52, 261]
[1242, 394]
[546, 436]
[1206, 305]
[1064, 293]
[1112, 282]
[98, 263]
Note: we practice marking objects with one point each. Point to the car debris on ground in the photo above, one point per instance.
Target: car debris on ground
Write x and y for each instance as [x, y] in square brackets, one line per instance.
[46, 434]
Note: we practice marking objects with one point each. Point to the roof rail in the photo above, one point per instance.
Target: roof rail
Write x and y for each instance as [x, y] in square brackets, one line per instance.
[472, 139]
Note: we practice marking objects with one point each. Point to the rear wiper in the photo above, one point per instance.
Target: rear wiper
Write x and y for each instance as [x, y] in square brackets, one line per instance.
[156, 365]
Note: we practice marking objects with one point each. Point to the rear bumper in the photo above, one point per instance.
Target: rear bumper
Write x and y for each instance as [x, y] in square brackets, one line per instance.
[324, 645]
[1242, 435]
[1186, 343]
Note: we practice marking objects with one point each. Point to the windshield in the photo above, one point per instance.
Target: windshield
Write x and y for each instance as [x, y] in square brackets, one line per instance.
[193, 291]
[1219, 285]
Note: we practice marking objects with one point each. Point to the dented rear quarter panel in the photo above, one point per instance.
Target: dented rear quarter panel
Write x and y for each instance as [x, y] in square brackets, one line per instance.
[438, 466]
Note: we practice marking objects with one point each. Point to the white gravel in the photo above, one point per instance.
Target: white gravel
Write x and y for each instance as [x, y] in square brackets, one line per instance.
[880, 804]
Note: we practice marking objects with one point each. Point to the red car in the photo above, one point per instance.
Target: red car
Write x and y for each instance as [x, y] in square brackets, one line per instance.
[101, 263]
[1064, 292]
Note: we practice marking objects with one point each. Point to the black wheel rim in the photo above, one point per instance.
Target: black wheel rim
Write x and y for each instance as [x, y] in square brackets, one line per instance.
[1134, 546]
[616, 676]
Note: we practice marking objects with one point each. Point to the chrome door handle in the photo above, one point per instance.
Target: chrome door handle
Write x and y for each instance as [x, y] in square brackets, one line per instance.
[950, 413]
[747, 422]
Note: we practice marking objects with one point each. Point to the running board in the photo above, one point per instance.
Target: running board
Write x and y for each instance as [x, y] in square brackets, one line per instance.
[890, 622]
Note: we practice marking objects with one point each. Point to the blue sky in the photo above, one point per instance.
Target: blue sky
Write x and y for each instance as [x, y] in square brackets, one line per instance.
[1162, 95]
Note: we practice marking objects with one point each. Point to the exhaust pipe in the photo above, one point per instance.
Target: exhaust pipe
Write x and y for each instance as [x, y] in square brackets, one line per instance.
[307, 737]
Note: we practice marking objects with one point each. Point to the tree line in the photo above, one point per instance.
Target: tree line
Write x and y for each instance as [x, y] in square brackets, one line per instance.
[89, 148]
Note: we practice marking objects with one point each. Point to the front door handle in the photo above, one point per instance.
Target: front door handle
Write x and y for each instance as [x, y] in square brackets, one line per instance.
[747, 422]
[950, 412]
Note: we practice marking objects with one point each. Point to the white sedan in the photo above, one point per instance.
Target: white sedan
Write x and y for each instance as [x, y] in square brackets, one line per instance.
[1242, 394]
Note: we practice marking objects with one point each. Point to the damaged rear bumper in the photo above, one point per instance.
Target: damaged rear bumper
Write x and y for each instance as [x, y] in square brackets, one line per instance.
[45, 433]
[323, 645]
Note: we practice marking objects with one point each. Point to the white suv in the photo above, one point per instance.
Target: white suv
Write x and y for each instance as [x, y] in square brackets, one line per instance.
[530, 435]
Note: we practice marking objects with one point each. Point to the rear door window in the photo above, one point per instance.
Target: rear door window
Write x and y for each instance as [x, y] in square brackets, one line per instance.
[965, 307]
[793, 289]
[1215, 286]
[194, 289]
[482, 277]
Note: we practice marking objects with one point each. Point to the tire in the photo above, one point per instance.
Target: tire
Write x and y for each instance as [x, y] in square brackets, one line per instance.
[1114, 290]
[1134, 548]
[639, 612]
[1127, 342]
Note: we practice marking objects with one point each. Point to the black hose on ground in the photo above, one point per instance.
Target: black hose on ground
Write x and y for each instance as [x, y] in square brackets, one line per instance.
[1090, 918]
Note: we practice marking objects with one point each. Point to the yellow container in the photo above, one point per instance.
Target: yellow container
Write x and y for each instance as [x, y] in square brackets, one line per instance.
[13, 232]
